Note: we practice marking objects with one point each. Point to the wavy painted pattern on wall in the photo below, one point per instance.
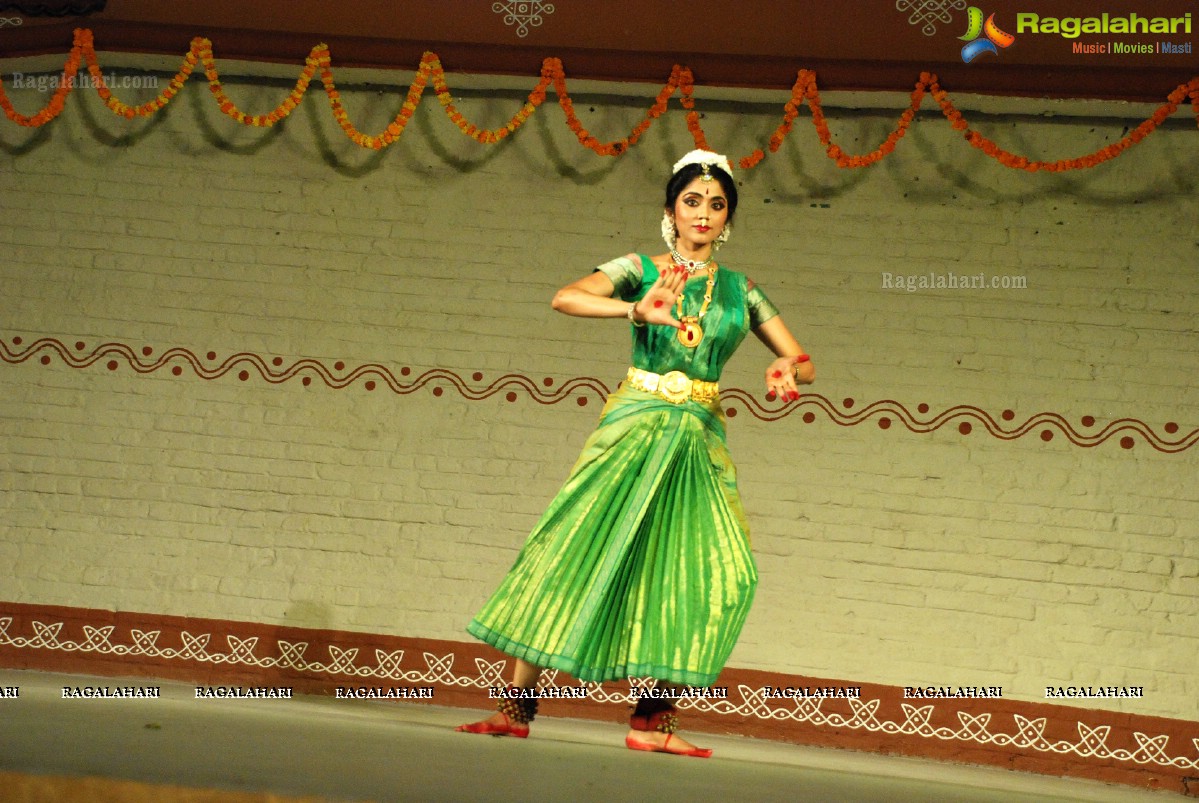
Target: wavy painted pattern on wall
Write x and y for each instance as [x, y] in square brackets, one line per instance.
[848, 412]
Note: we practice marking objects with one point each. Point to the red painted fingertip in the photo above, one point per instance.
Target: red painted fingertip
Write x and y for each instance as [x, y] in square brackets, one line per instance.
[803, 358]
[794, 395]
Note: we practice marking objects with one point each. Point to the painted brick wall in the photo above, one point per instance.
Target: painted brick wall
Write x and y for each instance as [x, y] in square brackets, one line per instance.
[886, 555]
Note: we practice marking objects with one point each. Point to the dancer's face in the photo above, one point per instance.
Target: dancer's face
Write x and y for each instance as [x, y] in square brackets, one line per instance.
[701, 211]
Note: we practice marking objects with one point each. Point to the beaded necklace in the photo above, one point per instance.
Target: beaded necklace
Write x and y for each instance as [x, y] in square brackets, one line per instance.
[689, 265]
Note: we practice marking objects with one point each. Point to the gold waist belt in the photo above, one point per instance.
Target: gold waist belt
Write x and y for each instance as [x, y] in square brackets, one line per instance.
[676, 387]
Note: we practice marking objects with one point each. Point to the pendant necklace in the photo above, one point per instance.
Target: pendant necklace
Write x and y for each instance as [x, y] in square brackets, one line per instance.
[691, 332]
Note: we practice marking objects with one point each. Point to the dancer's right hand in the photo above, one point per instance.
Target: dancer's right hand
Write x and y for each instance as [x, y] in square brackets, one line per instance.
[657, 305]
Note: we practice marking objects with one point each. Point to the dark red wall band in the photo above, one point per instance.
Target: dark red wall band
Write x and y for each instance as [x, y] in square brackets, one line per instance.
[1131, 749]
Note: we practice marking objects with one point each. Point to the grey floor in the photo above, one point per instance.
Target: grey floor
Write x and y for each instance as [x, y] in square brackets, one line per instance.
[359, 750]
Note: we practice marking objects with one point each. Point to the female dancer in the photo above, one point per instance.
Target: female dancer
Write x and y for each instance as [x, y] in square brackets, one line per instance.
[641, 565]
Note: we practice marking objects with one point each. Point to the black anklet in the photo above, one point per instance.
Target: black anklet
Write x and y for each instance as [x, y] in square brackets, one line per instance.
[654, 713]
[516, 707]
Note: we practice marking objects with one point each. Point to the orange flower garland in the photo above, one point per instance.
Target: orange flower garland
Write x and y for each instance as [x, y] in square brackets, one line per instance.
[1098, 157]
[202, 49]
[319, 61]
[687, 90]
[552, 69]
[83, 42]
[57, 100]
[484, 136]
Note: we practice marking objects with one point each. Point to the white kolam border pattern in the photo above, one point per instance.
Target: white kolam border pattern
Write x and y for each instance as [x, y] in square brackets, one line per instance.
[1028, 734]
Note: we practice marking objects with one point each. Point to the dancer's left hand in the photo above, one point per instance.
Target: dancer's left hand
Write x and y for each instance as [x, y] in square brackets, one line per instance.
[781, 377]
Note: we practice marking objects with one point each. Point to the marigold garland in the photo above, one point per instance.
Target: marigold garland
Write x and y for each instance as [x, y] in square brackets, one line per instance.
[320, 62]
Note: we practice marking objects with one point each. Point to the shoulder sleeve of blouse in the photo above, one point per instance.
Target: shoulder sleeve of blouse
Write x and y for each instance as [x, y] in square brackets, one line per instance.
[625, 275]
[760, 308]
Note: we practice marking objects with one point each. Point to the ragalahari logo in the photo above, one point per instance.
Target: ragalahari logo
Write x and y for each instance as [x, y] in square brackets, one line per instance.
[983, 37]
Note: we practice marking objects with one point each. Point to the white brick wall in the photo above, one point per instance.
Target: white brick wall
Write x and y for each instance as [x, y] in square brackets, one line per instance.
[886, 556]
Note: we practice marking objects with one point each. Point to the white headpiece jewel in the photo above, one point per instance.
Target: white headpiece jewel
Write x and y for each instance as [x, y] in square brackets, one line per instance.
[707, 159]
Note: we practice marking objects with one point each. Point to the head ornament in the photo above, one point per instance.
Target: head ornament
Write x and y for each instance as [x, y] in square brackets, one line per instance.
[706, 159]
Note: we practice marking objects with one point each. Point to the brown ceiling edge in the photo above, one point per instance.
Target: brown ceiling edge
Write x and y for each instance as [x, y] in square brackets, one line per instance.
[1148, 85]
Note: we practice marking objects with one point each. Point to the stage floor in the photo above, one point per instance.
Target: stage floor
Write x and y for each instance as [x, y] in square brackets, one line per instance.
[320, 747]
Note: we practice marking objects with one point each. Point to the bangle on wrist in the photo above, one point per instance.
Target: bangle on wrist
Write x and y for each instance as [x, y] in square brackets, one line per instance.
[633, 320]
[800, 360]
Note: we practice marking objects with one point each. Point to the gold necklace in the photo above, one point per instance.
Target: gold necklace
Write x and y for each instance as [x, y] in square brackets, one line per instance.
[691, 332]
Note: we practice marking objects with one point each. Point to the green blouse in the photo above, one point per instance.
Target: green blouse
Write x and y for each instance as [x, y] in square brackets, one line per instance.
[735, 309]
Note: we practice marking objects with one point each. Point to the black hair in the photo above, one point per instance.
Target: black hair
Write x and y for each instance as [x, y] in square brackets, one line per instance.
[688, 173]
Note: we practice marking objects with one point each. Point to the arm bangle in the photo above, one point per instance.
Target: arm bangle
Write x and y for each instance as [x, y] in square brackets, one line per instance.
[633, 320]
[800, 360]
